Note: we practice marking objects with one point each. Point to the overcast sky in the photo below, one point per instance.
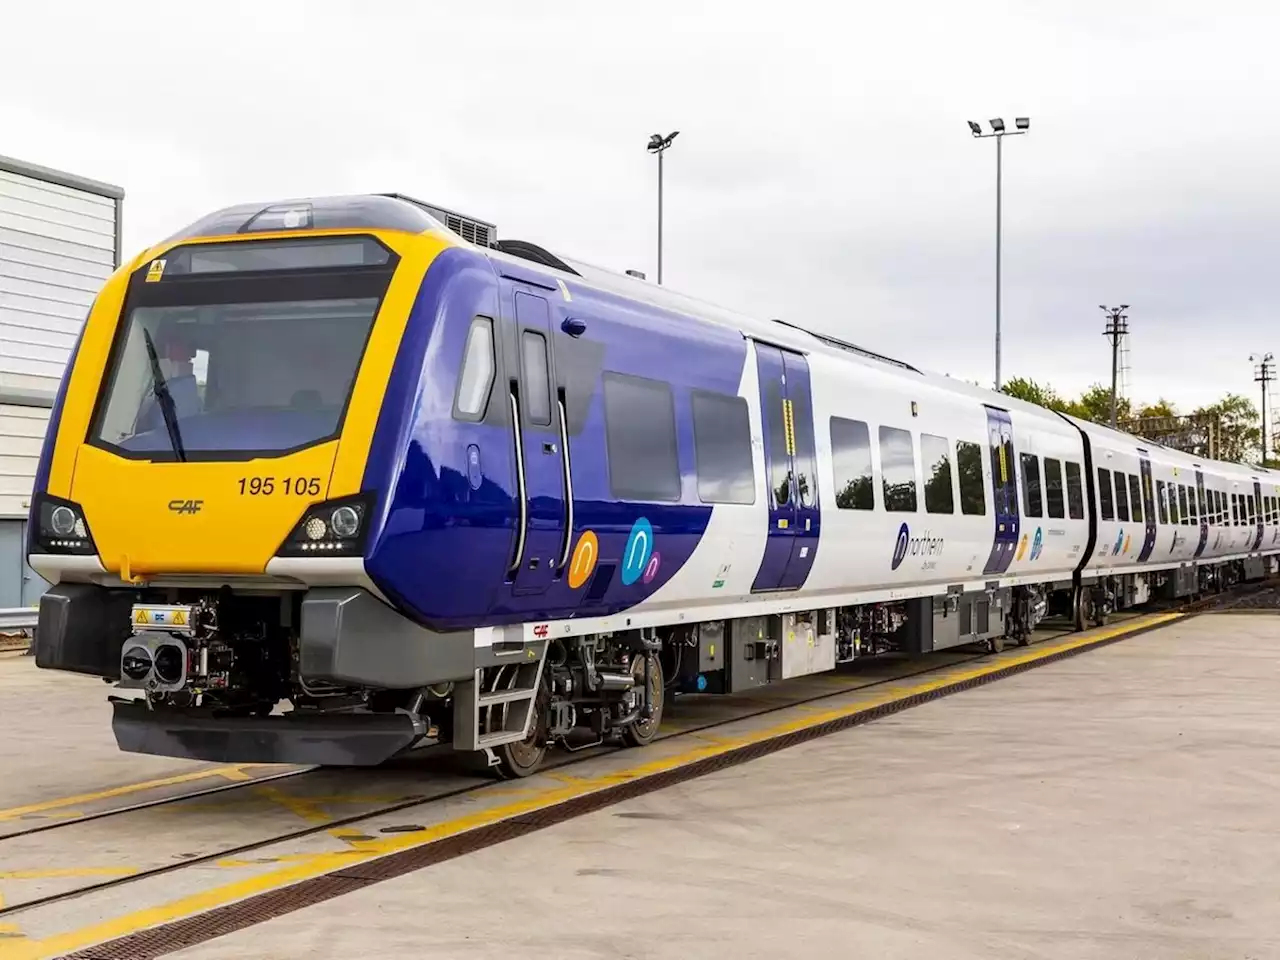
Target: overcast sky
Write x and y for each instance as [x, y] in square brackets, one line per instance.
[824, 172]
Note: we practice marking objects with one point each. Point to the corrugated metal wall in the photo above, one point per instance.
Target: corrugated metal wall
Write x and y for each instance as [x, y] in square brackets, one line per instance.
[59, 241]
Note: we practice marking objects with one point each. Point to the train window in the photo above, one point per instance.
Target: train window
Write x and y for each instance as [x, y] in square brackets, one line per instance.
[898, 470]
[935, 454]
[1075, 492]
[722, 448]
[475, 380]
[1174, 516]
[973, 492]
[640, 438]
[1235, 510]
[1053, 487]
[1195, 516]
[1122, 498]
[1135, 498]
[851, 464]
[1253, 510]
[1106, 497]
[780, 440]
[1182, 504]
[1031, 484]
[537, 380]
[1162, 501]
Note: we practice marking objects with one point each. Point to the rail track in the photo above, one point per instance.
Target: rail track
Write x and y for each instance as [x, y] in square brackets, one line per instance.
[444, 782]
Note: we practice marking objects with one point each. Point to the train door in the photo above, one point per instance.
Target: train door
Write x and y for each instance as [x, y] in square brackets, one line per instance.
[790, 465]
[1148, 508]
[1257, 499]
[1004, 490]
[1204, 514]
[540, 458]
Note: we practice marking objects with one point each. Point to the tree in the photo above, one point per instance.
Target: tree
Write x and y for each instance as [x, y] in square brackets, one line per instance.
[1095, 404]
[1032, 392]
[1239, 436]
[1161, 408]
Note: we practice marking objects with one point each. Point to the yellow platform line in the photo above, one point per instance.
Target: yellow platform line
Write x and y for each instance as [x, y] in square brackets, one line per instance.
[234, 772]
[309, 866]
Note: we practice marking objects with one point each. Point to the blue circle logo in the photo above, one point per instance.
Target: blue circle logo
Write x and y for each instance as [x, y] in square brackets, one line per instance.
[900, 548]
[638, 550]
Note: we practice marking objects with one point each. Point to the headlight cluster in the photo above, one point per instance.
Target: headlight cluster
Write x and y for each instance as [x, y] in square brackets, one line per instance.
[336, 528]
[61, 527]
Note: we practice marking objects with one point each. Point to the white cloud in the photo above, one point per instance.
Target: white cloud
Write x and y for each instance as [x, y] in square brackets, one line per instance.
[823, 173]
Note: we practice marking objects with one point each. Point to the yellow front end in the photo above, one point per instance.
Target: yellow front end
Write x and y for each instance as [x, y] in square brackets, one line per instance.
[152, 512]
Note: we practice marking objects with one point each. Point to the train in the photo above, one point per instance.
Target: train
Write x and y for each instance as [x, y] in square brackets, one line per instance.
[331, 480]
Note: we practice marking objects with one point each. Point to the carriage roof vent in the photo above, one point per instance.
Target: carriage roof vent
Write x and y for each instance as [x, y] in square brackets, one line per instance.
[479, 232]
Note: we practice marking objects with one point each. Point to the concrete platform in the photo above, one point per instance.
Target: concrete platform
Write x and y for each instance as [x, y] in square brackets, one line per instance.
[1116, 804]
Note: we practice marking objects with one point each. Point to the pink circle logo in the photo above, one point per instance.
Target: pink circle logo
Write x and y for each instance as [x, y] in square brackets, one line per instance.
[651, 568]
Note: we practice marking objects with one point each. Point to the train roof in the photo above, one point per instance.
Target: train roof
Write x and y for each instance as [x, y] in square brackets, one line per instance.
[398, 211]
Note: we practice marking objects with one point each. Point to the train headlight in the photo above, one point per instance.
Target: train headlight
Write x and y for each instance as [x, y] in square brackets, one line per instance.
[336, 528]
[345, 522]
[60, 527]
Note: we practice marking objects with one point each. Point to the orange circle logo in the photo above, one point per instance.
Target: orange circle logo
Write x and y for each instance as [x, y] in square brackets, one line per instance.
[583, 562]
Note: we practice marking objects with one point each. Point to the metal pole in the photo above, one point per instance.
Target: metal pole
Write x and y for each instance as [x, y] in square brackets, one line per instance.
[999, 162]
[1115, 363]
[1264, 418]
[660, 217]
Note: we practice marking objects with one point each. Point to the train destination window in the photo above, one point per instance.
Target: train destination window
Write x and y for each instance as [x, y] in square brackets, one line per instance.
[898, 470]
[935, 453]
[973, 491]
[1075, 491]
[851, 464]
[640, 438]
[722, 448]
[1135, 498]
[537, 381]
[1031, 484]
[1122, 498]
[1106, 497]
[1162, 501]
[475, 380]
[1053, 487]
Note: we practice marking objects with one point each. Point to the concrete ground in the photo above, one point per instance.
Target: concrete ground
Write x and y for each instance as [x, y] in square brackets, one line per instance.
[1119, 804]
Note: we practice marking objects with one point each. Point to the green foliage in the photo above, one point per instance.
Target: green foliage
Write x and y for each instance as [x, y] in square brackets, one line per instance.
[1239, 433]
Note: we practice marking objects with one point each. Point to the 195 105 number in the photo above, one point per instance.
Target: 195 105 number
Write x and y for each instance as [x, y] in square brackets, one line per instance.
[265, 486]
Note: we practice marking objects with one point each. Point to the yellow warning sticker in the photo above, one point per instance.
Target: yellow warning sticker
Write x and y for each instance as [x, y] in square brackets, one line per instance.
[155, 271]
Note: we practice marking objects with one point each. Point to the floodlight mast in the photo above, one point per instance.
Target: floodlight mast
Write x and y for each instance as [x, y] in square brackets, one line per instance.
[998, 131]
[659, 144]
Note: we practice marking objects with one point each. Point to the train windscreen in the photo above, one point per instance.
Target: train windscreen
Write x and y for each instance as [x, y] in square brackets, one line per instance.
[242, 351]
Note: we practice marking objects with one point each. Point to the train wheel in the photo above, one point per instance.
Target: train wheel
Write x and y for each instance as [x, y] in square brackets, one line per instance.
[1080, 609]
[642, 732]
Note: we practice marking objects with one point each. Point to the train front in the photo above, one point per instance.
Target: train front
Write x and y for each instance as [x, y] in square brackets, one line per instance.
[202, 499]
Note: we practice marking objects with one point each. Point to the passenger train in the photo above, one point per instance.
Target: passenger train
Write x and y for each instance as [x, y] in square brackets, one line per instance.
[329, 480]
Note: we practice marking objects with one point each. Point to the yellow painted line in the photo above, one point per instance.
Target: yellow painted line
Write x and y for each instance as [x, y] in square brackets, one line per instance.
[13, 813]
[302, 807]
[314, 865]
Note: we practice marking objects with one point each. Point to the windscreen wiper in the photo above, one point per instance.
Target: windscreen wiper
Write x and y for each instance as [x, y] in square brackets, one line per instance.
[160, 387]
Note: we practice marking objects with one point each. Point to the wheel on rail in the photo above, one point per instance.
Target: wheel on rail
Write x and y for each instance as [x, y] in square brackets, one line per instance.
[642, 732]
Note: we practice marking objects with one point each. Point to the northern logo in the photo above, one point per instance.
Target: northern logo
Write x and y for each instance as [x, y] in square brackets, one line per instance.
[905, 546]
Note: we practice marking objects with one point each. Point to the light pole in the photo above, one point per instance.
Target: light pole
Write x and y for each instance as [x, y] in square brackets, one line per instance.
[1117, 327]
[999, 132]
[1263, 373]
[658, 144]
